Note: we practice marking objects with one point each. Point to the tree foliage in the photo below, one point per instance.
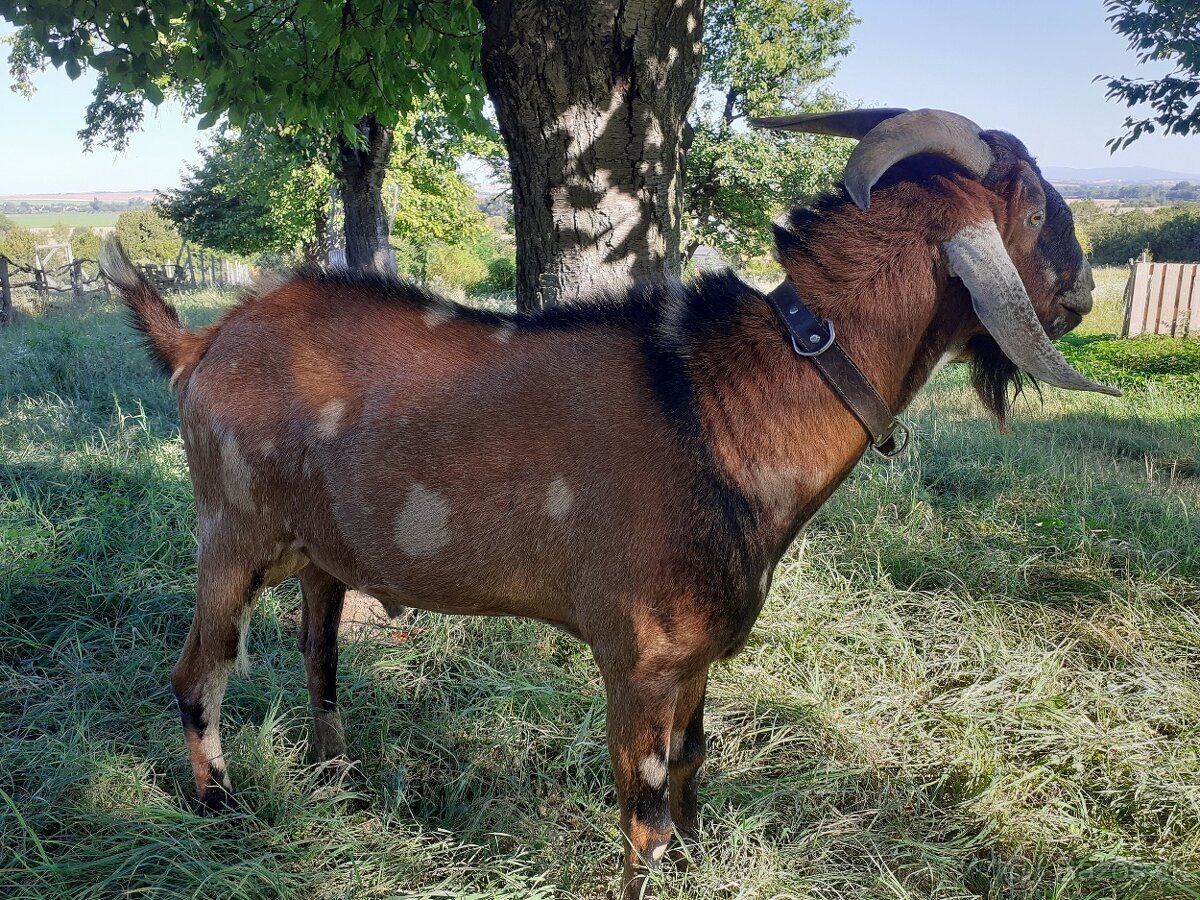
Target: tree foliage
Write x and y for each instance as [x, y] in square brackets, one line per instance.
[1159, 30]
[317, 64]
[255, 191]
[17, 244]
[763, 57]
[148, 236]
[1170, 233]
[85, 244]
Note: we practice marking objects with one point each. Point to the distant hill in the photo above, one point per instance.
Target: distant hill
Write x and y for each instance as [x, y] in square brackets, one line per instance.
[1116, 174]
[76, 198]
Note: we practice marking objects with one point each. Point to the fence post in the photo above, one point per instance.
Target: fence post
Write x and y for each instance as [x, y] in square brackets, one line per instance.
[5, 293]
[77, 281]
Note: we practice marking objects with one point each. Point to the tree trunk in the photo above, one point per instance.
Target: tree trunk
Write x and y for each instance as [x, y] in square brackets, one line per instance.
[361, 181]
[592, 97]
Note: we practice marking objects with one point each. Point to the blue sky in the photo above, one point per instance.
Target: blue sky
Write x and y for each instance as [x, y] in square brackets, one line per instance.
[1024, 65]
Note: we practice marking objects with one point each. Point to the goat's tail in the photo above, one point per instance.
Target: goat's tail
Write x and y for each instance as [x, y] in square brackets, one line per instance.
[167, 339]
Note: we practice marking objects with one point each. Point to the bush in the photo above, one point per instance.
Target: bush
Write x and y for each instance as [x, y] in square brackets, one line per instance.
[1172, 233]
[455, 265]
[17, 244]
[501, 276]
[86, 244]
[148, 237]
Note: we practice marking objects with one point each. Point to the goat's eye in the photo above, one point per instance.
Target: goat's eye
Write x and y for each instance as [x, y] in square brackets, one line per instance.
[1037, 219]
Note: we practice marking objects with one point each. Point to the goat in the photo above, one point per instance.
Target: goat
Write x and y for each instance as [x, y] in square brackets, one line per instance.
[630, 471]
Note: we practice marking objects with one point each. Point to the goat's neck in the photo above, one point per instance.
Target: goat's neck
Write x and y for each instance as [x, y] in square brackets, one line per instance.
[777, 429]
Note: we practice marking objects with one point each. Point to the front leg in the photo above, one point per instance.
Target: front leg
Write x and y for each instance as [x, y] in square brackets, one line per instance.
[640, 710]
[686, 758]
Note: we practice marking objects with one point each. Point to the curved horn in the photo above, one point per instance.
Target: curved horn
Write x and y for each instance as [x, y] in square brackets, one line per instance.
[920, 131]
[851, 123]
[977, 256]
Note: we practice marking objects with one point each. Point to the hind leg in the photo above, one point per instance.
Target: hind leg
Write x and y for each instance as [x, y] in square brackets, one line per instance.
[225, 595]
[322, 613]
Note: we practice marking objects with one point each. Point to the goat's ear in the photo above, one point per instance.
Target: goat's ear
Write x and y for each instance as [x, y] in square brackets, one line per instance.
[978, 256]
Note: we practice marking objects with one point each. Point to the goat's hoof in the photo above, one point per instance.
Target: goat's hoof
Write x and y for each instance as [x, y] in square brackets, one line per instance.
[217, 801]
[339, 770]
[686, 854]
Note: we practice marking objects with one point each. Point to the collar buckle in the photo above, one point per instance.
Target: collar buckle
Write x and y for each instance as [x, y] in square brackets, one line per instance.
[816, 338]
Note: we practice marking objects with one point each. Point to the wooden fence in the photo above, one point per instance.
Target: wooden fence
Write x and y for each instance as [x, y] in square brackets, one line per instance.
[1162, 298]
[43, 286]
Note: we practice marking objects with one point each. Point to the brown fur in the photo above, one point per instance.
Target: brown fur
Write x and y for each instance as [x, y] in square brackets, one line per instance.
[632, 477]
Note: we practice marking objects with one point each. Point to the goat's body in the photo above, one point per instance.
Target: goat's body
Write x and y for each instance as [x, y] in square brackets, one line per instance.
[630, 474]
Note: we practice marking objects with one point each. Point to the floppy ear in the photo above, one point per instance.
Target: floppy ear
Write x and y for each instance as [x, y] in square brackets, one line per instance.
[977, 255]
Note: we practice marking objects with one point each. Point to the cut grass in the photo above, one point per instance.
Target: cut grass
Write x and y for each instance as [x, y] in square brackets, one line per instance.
[978, 675]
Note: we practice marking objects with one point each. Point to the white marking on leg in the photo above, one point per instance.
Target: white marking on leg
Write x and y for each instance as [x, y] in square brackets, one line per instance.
[242, 664]
[329, 419]
[657, 851]
[422, 524]
[653, 770]
[559, 499]
[764, 583]
[210, 706]
[677, 737]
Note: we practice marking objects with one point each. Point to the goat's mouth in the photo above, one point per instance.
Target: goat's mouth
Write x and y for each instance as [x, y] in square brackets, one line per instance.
[1065, 322]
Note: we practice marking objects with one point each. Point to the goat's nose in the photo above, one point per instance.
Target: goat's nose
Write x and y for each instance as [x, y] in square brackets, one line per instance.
[1079, 298]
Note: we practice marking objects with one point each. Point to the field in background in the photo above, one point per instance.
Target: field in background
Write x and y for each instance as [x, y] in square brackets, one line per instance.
[74, 219]
[977, 675]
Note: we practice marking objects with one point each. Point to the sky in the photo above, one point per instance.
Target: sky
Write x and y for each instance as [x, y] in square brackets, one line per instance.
[1025, 66]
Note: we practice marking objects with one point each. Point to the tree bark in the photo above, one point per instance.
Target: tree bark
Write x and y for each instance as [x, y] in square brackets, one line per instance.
[592, 97]
[362, 169]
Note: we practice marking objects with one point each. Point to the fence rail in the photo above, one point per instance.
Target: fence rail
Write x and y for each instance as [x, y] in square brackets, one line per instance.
[81, 277]
[1162, 298]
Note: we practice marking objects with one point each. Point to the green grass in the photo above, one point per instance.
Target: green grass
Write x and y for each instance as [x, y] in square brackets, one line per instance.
[76, 219]
[978, 675]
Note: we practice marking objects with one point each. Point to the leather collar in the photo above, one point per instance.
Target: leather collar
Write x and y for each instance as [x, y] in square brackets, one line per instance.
[816, 341]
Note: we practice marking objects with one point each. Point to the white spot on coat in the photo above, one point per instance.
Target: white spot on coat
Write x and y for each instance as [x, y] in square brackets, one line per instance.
[654, 770]
[559, 499]
[236, 474]
[329, 419]
[422, 525]
[437, 315]
[267, 448]
[504, 334]
[764, 583]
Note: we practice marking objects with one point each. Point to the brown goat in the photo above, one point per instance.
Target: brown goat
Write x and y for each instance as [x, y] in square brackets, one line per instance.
[631, 471]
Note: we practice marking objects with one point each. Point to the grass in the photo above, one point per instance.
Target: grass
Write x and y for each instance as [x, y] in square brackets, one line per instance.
[977, 675]
[72, 218]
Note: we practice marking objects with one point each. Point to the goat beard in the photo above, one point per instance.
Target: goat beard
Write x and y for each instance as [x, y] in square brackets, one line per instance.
[997, 379]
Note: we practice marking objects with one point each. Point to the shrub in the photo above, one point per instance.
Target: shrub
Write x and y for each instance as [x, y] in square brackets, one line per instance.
[501, 276]
[455, 265]
[17, 244]
[86, 244]
[147, 236]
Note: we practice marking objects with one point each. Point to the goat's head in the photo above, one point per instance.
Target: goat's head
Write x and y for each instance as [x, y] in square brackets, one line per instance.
[1028, 279]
